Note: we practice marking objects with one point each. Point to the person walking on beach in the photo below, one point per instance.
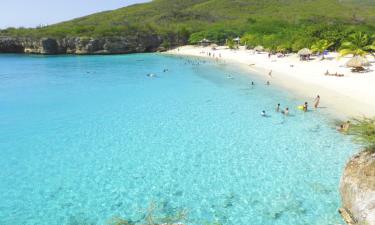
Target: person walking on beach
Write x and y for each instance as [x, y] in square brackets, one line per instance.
[270, 73]
[317, 101]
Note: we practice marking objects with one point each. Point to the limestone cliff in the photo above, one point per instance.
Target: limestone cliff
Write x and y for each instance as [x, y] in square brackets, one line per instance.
[49, 46]
[357, 188]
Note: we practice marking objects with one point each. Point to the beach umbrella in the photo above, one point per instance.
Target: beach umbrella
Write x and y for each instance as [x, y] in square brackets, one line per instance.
[213, 46]
[358, 61]
[304, 52]
[259, 48]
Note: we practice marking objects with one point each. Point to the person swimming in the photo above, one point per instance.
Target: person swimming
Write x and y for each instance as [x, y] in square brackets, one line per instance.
[286, 111]
[151, 75]
[278, 107]
[268, 83]
[252, 83]
[263, 113]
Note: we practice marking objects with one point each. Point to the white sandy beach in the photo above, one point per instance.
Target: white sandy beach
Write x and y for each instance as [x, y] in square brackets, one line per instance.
[347, 96]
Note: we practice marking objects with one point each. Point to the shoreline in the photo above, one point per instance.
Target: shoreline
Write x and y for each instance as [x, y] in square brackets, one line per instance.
[350, 96]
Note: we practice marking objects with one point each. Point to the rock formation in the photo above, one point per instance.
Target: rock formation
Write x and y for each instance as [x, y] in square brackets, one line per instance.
[80, 45]
[357, 188]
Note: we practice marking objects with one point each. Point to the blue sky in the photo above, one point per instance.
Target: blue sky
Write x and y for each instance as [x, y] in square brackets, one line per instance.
[31, 13]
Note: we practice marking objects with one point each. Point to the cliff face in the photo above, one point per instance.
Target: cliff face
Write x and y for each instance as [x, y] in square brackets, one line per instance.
[357, 188]
[50, 46]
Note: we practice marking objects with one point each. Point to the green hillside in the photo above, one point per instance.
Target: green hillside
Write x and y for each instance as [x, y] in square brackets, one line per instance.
[178, 20]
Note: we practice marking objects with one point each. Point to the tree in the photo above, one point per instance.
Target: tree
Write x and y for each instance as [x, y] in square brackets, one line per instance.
[250, 40]
[357, 44]
[321, 46]
[231, 44]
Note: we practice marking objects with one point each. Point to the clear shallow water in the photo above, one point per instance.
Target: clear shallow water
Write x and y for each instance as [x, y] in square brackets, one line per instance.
[86, 139]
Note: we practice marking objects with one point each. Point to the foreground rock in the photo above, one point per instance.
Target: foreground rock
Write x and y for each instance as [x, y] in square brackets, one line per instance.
[357, 188]
[80, 45]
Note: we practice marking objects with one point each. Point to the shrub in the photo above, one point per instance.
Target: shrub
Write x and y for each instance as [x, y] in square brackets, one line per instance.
[363, 130]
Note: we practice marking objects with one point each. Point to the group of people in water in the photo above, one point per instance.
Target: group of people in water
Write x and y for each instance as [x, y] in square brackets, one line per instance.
[304, 107]
[343, 128]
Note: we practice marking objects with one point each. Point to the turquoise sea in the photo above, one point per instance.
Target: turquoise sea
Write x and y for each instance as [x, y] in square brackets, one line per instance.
[87, 139]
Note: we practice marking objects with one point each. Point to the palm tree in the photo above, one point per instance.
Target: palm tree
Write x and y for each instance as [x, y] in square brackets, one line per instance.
[357, 44]
[321, 46]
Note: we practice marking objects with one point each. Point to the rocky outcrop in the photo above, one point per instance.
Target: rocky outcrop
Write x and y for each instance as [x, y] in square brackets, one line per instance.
[11, 45]
[357, 188]
[80, 45]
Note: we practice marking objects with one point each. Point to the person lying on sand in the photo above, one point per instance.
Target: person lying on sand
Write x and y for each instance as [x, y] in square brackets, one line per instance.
[333, 74]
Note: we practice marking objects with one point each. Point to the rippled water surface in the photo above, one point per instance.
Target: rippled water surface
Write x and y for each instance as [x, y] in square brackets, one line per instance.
[87, 139]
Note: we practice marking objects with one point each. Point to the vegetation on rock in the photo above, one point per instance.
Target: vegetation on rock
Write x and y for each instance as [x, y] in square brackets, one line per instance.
[363, 130]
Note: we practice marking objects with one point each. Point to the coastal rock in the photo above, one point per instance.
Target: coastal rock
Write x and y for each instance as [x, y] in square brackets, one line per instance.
[11, 45]
[48, 46]
[81, 45]
[357, 188]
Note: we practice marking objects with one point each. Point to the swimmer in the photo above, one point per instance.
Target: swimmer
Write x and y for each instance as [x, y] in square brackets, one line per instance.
[252, 83]
[151, 75]
[278, 107]
[270, 73]
[268, 83]
[264, 113]
[286, 111]
[340, 128]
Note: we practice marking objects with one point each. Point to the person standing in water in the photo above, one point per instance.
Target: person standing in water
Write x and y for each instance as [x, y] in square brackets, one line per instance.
[305, 107]
[317, 101]
[278, 107]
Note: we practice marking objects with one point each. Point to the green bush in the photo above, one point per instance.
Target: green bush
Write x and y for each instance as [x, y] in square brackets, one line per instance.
[363, 131]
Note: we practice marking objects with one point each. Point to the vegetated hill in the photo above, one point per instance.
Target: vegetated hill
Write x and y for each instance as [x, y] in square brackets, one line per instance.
[175, 21]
